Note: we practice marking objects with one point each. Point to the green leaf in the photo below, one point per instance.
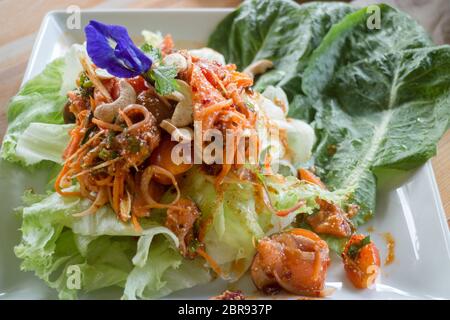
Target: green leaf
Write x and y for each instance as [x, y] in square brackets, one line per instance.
[378, 104]
[164, 272]
[334, 243]
[106, 154]
[84, 81]
[350, 40]
[38, 101]
[281, 31]
[230, 220]
[234, 217]
[164, 77]
[41, 100]
[41, 141]
[152, 52]
[103, 248]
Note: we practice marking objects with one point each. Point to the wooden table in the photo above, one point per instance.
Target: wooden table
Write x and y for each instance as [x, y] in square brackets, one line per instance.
[20, 23]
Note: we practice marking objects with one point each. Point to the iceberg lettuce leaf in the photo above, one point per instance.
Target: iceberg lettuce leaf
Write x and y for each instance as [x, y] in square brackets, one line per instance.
[105, 251]
[39, 100]
[235, 216]
[43, 141]
[164, 272]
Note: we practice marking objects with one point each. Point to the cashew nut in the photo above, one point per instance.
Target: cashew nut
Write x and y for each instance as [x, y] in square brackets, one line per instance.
[178, 134]
[175, 96]
[182, 115]
[108, 111]
[258, 67]
[176, 60]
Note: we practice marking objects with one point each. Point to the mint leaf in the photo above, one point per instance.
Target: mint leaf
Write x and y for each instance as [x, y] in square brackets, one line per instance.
[164, 78]
[162, 75]
[152, 52]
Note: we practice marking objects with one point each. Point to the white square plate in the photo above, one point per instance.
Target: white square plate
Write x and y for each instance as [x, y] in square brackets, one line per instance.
[409, 209]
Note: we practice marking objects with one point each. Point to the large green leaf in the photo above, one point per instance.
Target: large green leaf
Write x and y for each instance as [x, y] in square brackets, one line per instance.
[281, 31]
[351, 40]
[380, 102]
[383, 112]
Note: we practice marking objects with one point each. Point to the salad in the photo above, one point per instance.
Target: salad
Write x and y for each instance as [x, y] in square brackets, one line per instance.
[167, 167]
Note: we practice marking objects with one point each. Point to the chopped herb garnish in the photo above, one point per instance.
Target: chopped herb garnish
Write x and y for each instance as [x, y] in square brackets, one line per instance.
[86, 86]
[193, 245]
[87, 134]
[84, 81]
[110, 138]
[86, 92]
[103, 154]
[260, 176]
[355, 248]
[250, 106]
[134, 145]
[106, 154]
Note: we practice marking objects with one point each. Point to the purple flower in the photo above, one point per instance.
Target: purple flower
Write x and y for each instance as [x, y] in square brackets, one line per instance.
[111, 48]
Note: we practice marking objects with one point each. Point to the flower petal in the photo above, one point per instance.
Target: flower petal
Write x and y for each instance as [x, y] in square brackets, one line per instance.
[111, 48]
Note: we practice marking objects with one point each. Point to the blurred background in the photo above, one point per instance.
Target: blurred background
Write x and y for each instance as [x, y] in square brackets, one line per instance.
[20, 21]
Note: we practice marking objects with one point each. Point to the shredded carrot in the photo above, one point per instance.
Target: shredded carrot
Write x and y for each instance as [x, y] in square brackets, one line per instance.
[283, 213]
[97, 83]
[167, 44]
[126, 118]
[104, 182]
[77, 136]
[116, 193]
[218, 88]
[92, 103]
[101, 165]
[240, 79]
[310, 177]
[57, 185]
[85, 145]
[215, 107]
[214, 80]
[212, 263]
[136, 224]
